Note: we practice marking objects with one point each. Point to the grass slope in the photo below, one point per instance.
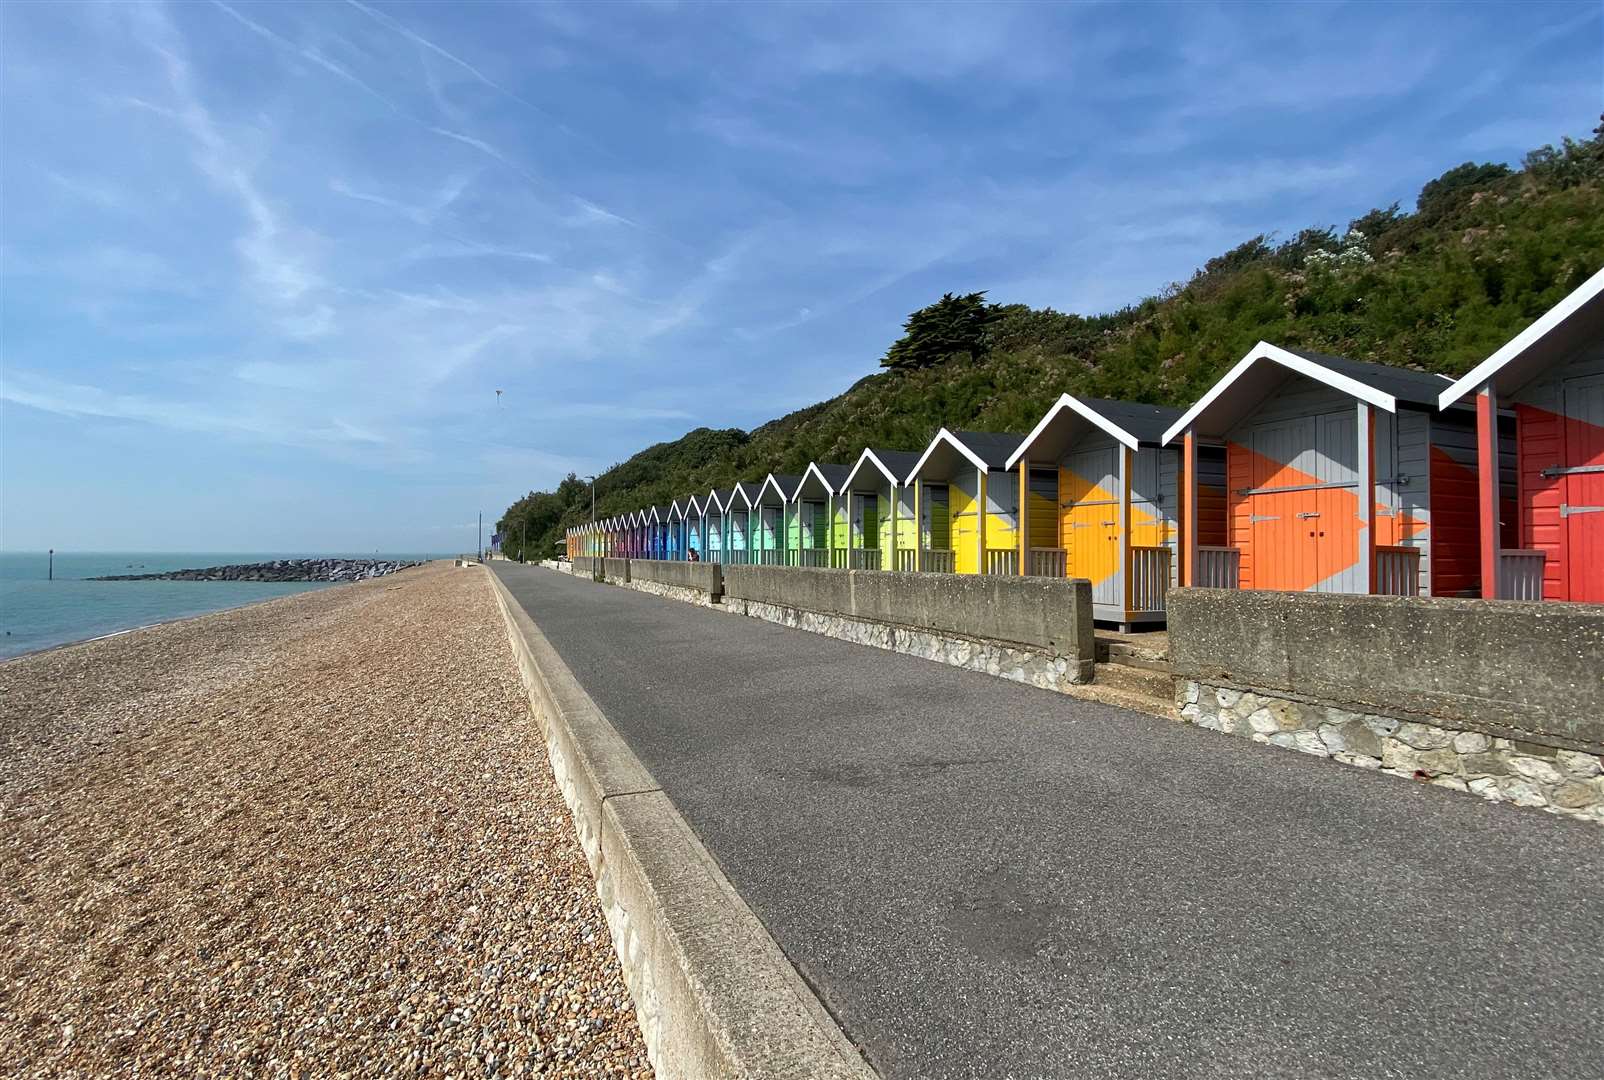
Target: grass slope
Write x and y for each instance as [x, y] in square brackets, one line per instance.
[1486, 251]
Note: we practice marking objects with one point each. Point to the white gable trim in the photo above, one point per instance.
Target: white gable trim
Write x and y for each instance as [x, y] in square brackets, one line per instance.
[1080, 408]
[813, 468]
[870, 456]
[1483, 372]
[770, 482]
[1308, 368]
[945, 436]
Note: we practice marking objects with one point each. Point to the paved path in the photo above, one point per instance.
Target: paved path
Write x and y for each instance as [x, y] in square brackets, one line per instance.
[987, 880]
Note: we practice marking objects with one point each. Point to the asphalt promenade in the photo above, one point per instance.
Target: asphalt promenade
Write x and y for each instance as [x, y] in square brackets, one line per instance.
[986, 880]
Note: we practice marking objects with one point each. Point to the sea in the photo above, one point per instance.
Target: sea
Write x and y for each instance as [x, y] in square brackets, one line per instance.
[38, 613]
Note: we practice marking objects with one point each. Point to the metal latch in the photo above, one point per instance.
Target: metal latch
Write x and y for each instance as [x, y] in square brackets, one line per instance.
[1304, 515]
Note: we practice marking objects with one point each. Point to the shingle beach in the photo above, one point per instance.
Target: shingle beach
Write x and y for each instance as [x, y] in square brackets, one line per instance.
[318, 835]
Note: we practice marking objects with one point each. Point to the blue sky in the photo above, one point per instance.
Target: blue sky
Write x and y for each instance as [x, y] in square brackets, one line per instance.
[265, 265]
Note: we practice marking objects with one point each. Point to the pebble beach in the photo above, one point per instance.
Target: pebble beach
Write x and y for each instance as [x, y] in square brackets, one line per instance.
[318, 835]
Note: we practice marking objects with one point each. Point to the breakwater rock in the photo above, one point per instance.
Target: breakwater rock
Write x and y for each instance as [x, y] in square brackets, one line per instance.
[278, 570]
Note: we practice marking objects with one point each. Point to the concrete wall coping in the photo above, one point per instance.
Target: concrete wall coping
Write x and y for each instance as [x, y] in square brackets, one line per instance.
[1053, 615]
[704, 577]
[715, 995]
[1532, 671]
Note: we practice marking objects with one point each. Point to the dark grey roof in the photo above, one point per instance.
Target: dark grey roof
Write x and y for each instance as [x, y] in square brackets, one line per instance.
[1415, 387]
[992, 447]
[834, 475]
[900, 462]
[1147, 422]
[662, 511]
[723, 496]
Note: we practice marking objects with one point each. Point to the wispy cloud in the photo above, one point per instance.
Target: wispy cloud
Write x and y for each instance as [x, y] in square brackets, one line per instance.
[312, 56]
[305, 244]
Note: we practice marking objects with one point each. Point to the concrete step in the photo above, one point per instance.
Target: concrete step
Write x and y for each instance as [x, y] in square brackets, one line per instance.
[1133, 687]
[1134, 656]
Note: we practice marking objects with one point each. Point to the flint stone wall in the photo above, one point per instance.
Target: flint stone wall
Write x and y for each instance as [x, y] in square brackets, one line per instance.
[1031, 630]
[698, 582]
[1019, 663]
[1502, 700]
[1052, 616]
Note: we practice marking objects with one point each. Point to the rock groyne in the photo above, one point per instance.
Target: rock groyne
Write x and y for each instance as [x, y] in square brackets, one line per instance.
[278, 570]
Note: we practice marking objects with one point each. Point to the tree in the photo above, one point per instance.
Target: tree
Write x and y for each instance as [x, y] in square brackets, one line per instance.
[1448, 190]
[951, 326]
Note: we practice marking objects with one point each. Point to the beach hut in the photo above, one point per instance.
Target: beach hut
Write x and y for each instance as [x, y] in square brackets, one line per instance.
[1341, 476]
[773, 513]
[740, 515]
[966, 504]
[879, 507]
[1099, 497]
[818, 526]
[678, 513]
[694, 511]
[640, 533]
[1550, 543]
[713, 524]
[659, 533]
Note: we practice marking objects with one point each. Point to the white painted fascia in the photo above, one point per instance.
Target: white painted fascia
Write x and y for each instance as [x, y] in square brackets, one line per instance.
[813, 468]
[945, 436]
[1308, 368]
[870, 457]
[1483, 372]
[1080, 408]
[770, 482]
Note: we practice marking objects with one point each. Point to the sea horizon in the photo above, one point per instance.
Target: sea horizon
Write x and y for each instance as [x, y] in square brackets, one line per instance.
[37, 613]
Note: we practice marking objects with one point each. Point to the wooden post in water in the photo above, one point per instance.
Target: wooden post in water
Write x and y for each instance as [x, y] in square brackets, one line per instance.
[51, 573]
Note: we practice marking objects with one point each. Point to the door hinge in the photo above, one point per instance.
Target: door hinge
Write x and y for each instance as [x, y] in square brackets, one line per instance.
[1566, 510]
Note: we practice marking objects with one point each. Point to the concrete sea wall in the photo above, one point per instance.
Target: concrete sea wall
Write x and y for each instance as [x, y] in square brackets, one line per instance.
[1503, 700]
[696, 582]
[1034, 630]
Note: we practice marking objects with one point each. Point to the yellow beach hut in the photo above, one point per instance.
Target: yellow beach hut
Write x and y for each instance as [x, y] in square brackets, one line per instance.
[966, 504]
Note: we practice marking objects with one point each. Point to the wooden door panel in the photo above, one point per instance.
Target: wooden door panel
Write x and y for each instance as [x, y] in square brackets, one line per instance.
[1584, 491]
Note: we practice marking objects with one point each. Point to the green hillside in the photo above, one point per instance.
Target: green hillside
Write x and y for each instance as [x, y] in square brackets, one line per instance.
[1486, 250]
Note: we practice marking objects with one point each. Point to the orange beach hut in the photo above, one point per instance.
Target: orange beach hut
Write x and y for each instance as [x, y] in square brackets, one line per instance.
[1341, 476]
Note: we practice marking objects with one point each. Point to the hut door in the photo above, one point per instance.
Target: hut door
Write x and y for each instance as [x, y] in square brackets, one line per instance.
[1584, 487]
[1090, 491]
[1337, 527]
[1284, 511]
[1044, 522]
[936, 526]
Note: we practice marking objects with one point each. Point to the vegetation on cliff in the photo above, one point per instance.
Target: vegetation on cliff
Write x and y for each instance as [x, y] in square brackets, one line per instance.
[1485, 251]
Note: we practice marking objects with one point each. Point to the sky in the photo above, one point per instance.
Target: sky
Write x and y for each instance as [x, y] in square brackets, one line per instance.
[263, 267]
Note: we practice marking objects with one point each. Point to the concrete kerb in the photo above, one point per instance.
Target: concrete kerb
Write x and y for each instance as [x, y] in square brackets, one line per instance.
[714, 993]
